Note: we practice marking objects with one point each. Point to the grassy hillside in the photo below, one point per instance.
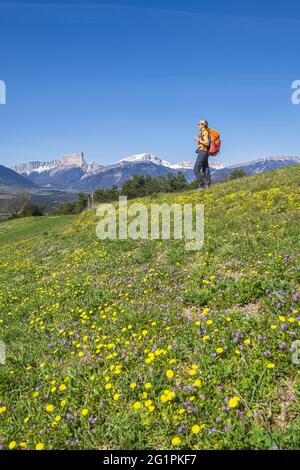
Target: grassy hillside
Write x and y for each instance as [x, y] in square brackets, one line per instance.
[142, 344]
[30, 227]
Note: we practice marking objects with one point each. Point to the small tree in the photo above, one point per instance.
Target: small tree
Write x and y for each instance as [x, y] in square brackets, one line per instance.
[235, 174]
[65, 208]
[180, 182]
[134, 187]
[81, 203]
[32, 210]
[193, 184]
[18, 204]
[113, 193]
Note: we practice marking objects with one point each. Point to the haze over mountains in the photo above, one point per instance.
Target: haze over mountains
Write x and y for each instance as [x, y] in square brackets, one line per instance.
[74, 173]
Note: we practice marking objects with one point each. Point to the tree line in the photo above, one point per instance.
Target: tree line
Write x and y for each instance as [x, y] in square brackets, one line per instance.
[135, 187]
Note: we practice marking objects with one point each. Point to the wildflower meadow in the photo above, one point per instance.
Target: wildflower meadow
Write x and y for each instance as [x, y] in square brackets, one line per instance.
[141, 344]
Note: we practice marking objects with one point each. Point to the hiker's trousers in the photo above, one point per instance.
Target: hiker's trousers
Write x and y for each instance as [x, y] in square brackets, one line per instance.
[201, 169]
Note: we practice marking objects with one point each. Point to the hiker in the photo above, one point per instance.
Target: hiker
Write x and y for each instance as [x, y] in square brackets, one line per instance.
[201, 168]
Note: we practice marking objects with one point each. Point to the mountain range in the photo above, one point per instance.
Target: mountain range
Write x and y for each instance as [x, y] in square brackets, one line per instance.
[74, 173]
[11, 179]
[14, 186]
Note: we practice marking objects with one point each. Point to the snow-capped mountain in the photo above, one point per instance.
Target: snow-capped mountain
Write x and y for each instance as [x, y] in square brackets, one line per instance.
[188, 165]
[58, 174]
[72, 172]
[183, 165]
[74, 159]
[145, 157]
[260, 165]
[149, 157]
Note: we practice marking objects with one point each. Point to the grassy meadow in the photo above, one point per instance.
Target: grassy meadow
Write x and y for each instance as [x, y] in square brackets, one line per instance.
[140, 344]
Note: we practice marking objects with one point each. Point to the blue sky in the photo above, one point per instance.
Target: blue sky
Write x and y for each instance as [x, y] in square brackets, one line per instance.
[115, 78]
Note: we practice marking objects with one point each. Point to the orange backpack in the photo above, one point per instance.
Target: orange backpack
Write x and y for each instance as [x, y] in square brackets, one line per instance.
[215, 143]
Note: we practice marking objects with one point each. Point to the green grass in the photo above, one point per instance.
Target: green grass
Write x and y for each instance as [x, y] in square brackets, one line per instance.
[30, 227]
[205, 336]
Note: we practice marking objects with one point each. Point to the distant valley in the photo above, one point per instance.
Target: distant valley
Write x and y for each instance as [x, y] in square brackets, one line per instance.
[74, 173]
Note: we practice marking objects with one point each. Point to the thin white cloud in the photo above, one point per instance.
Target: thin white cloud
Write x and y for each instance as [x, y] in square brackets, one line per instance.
[75, 7]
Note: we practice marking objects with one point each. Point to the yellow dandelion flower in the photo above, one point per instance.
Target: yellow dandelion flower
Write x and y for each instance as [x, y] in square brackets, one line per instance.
[84, 412]
[233, 402]
[137, 405]
[170, 395]
[170, 374]
[148, 385]
[12, 445]
[196, 429]
[270, 365]
[133, 385]
[163, 398]
[39, 446]
[176, 441]
[148, 360]
[49, 408]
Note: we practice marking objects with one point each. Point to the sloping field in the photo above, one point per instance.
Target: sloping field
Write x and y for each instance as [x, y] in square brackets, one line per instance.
[142, 344]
